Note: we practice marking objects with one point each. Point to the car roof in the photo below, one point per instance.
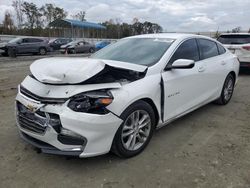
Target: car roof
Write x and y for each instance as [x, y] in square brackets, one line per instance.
[170, 36]
[234, 34]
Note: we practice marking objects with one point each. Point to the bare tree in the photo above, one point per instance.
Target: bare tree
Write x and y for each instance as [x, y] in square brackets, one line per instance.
[17, 5]
[59, 13]
[79, 16]
[236, 30]
[33, 15]
[47, 11]
[8, 24]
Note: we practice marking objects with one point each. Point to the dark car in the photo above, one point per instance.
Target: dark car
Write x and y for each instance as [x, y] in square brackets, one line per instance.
[26, 46]
[101, 44]
[55, 44]
[79, 46]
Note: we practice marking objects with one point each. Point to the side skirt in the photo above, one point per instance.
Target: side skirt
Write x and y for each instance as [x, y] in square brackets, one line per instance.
[160, 125]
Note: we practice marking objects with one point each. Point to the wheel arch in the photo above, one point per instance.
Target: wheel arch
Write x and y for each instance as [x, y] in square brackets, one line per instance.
[152, 104]
[233, 74]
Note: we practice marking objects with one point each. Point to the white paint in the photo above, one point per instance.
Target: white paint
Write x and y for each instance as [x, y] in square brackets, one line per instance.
[184, 91]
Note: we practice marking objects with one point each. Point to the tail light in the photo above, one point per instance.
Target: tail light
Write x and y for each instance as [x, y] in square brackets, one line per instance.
[246, 48]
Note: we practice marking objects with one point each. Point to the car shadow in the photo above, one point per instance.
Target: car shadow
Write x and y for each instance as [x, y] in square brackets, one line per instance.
[110, 158]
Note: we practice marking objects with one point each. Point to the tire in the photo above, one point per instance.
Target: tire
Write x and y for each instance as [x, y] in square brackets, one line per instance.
[227, 90]
[12, 52]
[5, 53]
[91, 50]
[131, 138]
[42, 51]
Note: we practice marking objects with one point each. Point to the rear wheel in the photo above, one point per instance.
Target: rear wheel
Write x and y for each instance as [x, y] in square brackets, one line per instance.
[42, 51]
[91, 50]
[227, 90]
[136, 130]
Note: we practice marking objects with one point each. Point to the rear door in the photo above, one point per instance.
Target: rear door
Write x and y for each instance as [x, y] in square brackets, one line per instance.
[214, 67]
[36, 44]
[79, 48]
[87, 46]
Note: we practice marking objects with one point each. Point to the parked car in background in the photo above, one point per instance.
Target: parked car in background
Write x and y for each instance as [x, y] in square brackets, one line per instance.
[114, 100]
[56, 44]
[238, 44]
[25, 46]
[3, 48]
[79, 46]
[101, 44]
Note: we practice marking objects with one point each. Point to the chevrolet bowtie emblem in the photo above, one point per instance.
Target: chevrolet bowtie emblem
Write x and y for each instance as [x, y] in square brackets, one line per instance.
[31, 108]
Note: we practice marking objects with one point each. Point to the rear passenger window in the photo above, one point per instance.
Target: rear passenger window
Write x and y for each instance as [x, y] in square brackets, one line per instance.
[187, 50]
[208, 48]
[25, 40]
[35, 40]
[221, 49]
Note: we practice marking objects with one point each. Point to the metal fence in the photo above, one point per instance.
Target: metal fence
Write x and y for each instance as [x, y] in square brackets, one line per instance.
[6, 38]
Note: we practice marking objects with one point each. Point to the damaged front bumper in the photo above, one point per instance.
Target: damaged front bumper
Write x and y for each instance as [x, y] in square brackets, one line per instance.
[56, 129]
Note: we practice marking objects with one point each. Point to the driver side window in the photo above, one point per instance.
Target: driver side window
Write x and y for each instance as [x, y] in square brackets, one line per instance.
[187, 50]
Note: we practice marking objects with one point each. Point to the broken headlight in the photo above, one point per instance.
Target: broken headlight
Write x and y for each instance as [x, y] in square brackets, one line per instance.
[91, 102]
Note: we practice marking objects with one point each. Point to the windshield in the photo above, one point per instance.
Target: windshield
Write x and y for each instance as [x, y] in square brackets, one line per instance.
[234, 39]
[142, 51]
[14, 40]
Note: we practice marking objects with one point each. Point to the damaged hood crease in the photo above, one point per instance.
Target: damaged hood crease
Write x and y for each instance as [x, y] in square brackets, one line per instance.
[78, 70]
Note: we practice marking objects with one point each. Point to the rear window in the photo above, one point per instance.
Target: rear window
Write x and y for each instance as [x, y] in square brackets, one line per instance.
[208, 48]
[221, 49]
[234, 39]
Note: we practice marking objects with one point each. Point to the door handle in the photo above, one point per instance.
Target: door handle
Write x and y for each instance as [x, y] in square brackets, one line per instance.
[201, 69]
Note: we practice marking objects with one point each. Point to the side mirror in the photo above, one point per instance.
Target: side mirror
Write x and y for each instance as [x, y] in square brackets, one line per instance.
[182, 64]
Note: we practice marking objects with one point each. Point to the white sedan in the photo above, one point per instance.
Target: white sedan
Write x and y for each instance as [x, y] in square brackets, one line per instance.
[114, 100]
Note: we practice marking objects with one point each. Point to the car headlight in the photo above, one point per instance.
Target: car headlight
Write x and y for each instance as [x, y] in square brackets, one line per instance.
[91, 102]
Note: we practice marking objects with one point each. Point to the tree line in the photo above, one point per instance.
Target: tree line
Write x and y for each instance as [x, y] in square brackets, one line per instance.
[29, 19]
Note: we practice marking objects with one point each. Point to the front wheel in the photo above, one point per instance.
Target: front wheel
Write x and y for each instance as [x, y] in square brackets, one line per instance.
[227, 90]
[136, 130]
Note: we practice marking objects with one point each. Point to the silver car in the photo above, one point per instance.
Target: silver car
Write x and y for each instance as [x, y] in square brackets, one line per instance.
[78, 47]
[26, 46]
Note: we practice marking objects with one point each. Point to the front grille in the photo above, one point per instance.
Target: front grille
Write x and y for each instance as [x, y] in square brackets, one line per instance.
[36, 122]
[35, 97]
[29, 120]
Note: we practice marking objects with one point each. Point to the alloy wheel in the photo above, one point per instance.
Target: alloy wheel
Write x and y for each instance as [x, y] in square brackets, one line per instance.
[136, 130]
[42, 51]
[228, 90]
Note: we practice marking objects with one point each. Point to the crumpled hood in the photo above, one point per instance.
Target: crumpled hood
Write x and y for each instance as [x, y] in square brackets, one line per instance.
[66, 70]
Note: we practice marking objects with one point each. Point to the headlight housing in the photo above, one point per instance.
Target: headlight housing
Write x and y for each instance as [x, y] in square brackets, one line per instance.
[91, 102]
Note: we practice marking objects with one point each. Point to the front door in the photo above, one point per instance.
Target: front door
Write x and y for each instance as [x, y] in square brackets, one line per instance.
[183, 88]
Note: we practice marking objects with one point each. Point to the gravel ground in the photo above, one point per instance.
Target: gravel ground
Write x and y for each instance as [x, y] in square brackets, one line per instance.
[207, 148]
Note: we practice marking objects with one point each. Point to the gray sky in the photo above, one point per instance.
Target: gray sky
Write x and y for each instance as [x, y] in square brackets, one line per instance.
[172, 15]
